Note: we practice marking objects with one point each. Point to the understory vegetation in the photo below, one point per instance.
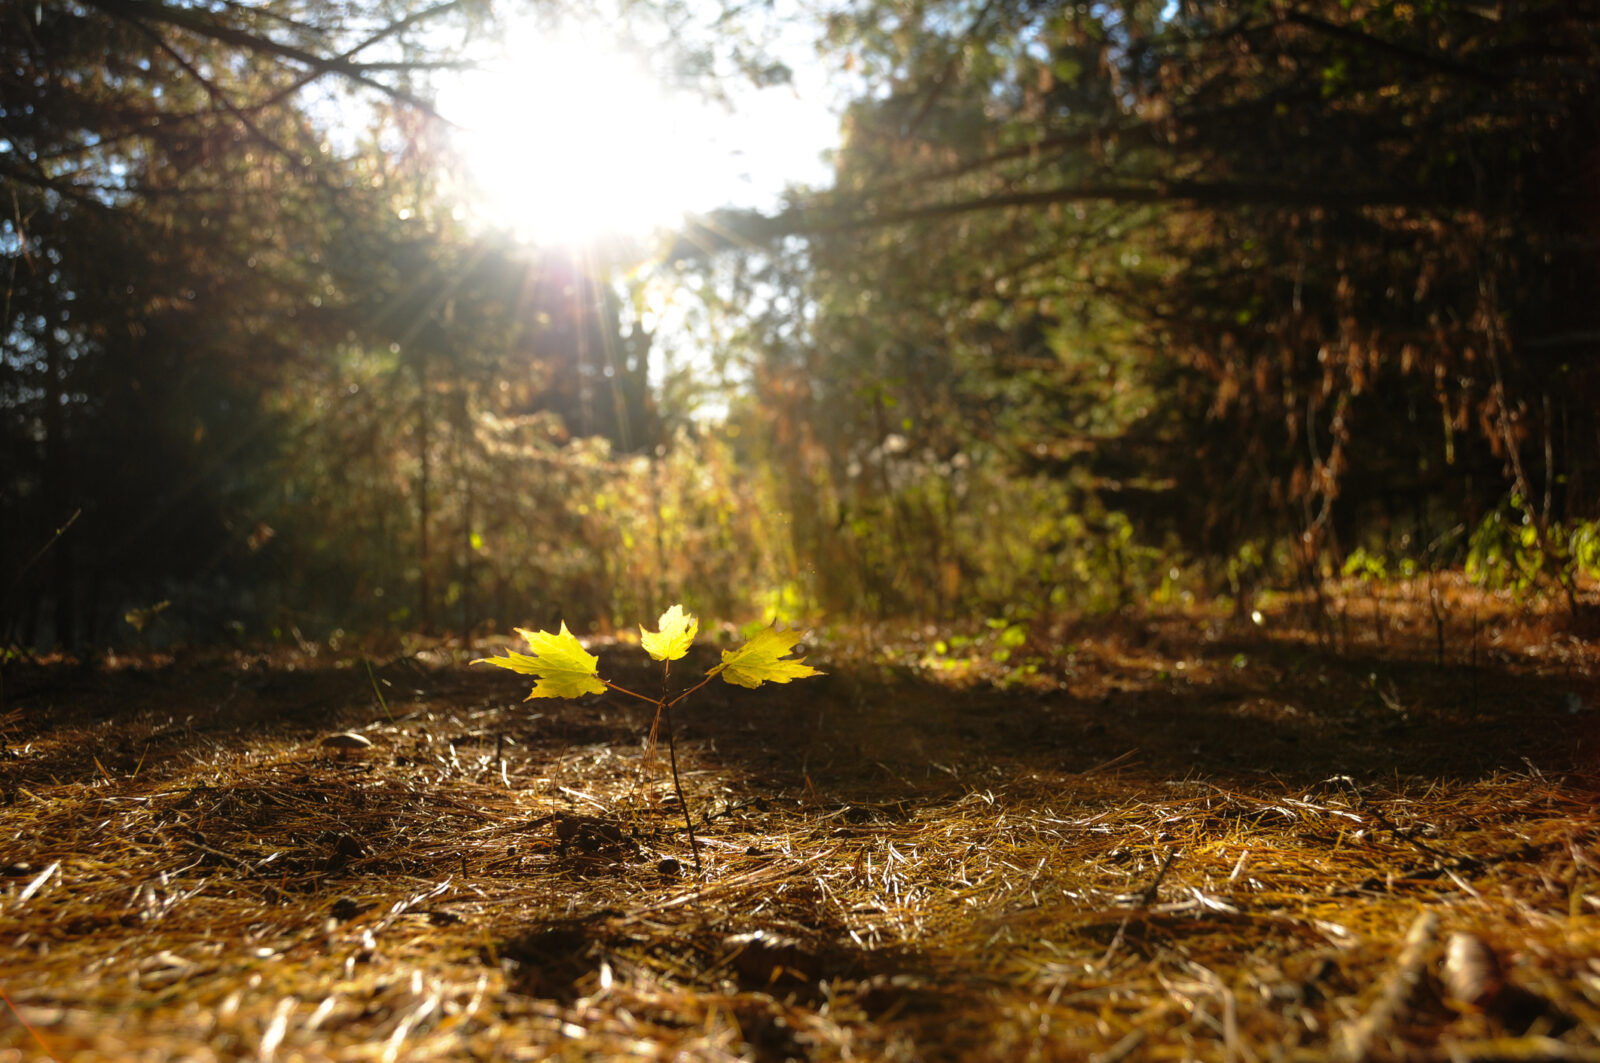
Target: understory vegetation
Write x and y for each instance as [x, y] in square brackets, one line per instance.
[1106, 304]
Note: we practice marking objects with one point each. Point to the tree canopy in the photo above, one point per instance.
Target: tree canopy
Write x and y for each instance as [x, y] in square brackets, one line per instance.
[1304, 272]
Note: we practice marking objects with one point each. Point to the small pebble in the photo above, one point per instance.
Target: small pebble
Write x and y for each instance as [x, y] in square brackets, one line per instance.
[346, 744]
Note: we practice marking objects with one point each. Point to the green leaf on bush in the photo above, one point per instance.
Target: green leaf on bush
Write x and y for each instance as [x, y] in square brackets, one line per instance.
[564, 668]
[676, 635]
[763, 659]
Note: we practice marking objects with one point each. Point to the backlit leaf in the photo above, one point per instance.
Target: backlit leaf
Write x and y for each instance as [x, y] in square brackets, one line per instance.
[676, 635]
[764, 659]
[563, 667]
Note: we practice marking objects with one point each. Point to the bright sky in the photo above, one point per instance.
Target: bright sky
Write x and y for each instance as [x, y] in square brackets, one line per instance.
[569, 139]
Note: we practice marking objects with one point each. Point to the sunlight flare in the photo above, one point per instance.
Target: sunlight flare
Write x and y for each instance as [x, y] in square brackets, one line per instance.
[564, 140]
[567, 139]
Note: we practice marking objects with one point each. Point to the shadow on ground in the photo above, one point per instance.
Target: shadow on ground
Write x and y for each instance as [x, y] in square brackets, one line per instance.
[1225, 712]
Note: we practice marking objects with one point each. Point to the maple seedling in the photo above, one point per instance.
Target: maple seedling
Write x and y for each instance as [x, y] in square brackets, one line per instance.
[564, 669]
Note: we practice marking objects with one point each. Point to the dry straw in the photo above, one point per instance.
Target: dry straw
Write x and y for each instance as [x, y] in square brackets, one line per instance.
[1253, 857]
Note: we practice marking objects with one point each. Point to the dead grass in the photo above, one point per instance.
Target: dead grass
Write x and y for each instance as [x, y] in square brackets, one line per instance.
[1174, 840]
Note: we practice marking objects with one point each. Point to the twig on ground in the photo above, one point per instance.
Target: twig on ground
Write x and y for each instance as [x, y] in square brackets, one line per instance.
[1354, 1041]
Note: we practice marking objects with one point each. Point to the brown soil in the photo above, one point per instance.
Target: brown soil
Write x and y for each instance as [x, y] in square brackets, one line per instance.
[1163, 839]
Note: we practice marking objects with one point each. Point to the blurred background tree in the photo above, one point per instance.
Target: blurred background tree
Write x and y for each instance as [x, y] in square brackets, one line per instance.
[1106, 302]
[1315, 274]
[237, 306]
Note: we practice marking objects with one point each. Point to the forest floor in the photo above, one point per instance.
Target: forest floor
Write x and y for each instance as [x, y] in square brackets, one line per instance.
[1169, 837]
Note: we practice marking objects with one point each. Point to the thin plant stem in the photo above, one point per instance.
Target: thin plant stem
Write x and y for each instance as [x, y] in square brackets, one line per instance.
[672, 756]
[655, 721]
[677, 784]
[691, 690]
[383, 704]
[664, 717]
[631, 694]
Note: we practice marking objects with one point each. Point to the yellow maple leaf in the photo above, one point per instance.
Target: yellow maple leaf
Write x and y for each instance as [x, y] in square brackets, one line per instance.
[676, 635]
[563, 667]
[764, 659]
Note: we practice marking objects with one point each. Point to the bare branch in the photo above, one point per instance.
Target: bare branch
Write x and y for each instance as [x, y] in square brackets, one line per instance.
[1438, 63]
[217, 96]
[192, 21]
[823, 219]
